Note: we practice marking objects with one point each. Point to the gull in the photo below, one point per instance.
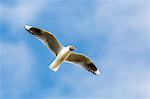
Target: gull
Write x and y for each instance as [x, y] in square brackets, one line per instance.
[63, 54]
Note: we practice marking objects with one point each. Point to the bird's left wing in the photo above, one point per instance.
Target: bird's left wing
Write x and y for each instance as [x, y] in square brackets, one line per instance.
[46, 37]
[84, 61]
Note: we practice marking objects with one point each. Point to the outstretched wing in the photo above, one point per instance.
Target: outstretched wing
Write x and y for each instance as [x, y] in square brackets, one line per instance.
[84, 61]
[46, 37]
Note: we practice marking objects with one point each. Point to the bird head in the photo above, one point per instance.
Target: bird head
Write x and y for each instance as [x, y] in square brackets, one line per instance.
[71, 47]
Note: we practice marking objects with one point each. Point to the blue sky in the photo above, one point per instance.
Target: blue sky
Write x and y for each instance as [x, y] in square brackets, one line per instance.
[113, 33]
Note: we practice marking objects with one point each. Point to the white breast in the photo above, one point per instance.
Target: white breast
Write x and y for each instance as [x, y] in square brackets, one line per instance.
[63, 54]
[61, 57]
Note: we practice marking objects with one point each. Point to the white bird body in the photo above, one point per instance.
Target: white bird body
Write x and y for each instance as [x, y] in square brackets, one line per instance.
[63, 54]
[60, 58]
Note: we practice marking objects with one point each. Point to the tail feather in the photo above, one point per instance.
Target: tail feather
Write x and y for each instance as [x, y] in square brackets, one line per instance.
[55, 65]
[54, 68]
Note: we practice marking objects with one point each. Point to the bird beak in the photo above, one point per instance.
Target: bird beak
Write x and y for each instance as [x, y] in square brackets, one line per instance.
[75, 48]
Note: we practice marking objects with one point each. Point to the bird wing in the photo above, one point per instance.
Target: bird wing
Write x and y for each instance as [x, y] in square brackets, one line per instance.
[46, 37]
[84, 61]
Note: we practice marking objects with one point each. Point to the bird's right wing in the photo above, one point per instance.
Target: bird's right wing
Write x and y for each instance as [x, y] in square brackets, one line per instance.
[84, 61]
[46, 37]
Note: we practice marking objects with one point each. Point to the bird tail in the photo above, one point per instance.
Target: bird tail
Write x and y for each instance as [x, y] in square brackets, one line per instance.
[55, 65]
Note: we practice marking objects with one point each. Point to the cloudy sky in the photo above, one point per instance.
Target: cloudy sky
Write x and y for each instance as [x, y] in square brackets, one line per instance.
[113, 33]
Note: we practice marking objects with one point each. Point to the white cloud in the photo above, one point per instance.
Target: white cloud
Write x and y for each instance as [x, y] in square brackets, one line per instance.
[16, 65]
[22, 12]
[124, 67]
[123, 64]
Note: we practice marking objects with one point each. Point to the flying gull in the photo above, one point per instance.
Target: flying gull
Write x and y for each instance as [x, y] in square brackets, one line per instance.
[63, 54]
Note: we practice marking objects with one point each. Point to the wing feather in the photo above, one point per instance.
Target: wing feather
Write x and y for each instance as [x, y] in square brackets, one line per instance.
[84, 61]
[47, 38]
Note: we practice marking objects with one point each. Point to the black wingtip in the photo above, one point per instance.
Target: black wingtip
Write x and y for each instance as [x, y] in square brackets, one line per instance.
[27, 27]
